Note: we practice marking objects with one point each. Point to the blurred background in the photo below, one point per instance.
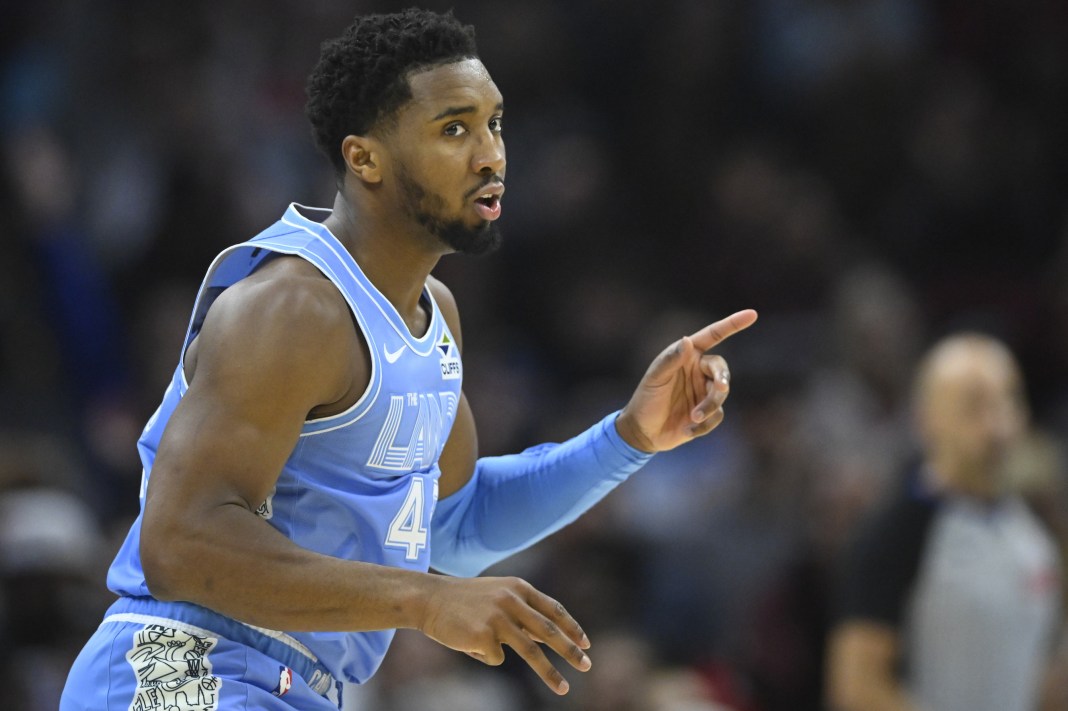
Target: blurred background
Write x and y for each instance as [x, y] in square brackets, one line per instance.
[868, 174]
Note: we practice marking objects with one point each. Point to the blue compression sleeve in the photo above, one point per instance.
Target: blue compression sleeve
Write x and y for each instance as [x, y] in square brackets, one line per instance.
[514, 501]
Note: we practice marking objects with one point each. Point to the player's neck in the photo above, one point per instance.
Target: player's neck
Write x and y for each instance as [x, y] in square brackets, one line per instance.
[392, 253]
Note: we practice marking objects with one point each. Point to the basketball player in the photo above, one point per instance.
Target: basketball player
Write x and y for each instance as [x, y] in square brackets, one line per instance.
[314, 454]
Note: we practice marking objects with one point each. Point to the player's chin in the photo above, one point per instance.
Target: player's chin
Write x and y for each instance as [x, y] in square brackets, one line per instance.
[480, 238]
[484, 239]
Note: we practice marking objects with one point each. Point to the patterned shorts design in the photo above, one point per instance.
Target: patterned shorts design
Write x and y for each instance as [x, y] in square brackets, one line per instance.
[173, 671]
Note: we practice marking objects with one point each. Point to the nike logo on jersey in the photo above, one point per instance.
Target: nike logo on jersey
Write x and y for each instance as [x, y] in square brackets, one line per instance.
[392, 357]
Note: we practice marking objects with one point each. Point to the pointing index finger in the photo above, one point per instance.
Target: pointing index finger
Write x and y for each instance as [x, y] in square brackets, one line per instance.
[713, 334]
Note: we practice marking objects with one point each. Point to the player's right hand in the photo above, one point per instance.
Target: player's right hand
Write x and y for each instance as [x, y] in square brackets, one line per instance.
[480, 616]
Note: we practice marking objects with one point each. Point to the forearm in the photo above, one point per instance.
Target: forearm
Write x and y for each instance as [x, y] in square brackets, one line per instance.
[516, 500]
[231, 561]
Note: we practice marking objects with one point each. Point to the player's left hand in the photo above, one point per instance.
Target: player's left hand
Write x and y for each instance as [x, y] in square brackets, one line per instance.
[681, 395]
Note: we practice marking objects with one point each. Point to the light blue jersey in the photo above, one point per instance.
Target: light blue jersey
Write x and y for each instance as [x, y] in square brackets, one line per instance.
[360, 485]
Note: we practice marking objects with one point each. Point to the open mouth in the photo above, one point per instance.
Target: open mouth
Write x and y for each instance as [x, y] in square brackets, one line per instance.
[488, 206]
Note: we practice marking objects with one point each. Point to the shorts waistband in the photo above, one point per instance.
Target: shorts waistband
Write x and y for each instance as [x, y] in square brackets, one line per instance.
[285, 648]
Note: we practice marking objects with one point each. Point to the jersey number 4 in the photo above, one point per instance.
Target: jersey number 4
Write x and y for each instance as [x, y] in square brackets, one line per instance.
[407, 529]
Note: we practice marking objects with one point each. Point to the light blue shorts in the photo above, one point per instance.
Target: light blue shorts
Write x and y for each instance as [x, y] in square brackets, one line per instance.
[137, 662]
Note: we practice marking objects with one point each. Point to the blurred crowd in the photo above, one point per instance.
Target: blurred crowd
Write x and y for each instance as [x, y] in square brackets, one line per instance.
[868, 174]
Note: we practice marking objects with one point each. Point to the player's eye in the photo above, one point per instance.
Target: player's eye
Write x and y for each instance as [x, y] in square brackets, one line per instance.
[455, 129]
[496, 124]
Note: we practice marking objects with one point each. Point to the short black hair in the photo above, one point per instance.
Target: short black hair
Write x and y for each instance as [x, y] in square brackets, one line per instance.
[362, 76]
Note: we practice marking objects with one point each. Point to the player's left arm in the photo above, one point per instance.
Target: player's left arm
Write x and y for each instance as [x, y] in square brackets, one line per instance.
[493, 507]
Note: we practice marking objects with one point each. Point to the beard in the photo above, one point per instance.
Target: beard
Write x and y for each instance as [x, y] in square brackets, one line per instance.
[428, 209]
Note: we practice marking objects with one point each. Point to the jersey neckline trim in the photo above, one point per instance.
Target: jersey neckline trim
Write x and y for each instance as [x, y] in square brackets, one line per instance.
[422, 345]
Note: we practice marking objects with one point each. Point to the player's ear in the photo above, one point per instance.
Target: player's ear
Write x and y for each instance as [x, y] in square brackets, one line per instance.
[362, 158]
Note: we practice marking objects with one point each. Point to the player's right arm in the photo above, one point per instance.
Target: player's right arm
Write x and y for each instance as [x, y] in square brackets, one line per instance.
[272, 349]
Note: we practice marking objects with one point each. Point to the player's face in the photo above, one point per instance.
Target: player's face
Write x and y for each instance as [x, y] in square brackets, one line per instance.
[448, 153]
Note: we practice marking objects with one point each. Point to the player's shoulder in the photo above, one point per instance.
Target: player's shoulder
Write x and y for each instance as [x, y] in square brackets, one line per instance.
[282, 333]
[288, 298]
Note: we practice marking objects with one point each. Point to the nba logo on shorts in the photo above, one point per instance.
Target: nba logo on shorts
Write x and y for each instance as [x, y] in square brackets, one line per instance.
[285, 681]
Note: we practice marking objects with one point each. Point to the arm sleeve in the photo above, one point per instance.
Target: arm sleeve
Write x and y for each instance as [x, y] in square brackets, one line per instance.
[514, 501]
